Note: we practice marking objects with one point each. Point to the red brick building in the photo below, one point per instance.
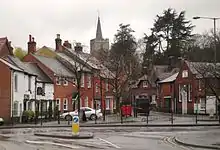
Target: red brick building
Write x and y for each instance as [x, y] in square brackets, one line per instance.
[62, 64]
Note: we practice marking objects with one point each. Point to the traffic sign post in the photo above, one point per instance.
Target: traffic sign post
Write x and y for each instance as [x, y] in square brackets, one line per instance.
[75, 125]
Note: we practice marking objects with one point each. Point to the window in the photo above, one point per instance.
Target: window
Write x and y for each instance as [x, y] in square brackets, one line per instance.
[114, 104]
[96, 88]
[145, 84]
[200, 85]
[58, 81]
[189, 92]
[65, 104]
[82, 80]
[107, 103]
[185, 74]
[65, 82]
[89, 81]
[15, 109]
[16, 83]
[202, 103]
[180, 93]
[29, 83]
[86, 102]
[29, 105]
[74, 81]
[58, 103]
[106, 86]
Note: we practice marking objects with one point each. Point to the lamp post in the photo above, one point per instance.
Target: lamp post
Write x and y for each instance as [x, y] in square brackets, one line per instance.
[215, 45]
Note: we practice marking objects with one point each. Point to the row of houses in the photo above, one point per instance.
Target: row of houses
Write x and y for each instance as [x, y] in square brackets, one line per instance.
[181, 87]
[53, 77]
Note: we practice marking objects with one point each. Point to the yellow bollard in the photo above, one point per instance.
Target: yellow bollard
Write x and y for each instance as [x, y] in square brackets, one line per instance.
[75, 125]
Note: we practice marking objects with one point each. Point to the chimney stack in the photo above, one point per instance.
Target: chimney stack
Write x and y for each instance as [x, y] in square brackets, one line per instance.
[78, 47]
[58, 42]
[67, 44]
[31, 45]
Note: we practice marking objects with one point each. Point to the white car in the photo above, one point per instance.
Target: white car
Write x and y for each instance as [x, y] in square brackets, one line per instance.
[91, 114]
[1, 121]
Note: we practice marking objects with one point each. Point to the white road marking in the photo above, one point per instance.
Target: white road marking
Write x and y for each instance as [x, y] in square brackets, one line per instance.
[115, 146]
[51, 143]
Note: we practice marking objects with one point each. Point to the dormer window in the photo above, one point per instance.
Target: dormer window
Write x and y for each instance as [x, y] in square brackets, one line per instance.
[145, 84]
[185, 74]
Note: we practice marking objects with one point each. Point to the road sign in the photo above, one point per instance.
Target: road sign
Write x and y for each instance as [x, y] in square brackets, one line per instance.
[75, 125]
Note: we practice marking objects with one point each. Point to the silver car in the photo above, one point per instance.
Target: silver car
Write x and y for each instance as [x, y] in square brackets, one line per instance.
[91, 114]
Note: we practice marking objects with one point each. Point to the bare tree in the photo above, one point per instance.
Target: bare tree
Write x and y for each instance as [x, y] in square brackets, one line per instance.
[78, 63]
[208, 75]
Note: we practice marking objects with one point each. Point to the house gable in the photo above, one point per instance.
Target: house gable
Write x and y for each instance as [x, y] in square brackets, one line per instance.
[5, 47]
[46, 51]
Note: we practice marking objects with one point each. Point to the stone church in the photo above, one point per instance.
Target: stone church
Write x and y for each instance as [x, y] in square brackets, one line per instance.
[98, 45]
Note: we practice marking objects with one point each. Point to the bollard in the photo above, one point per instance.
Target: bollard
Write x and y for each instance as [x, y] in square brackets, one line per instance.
[75, 126]
[58, 117]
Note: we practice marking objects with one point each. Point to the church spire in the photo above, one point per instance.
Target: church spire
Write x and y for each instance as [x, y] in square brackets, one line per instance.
[99, 30]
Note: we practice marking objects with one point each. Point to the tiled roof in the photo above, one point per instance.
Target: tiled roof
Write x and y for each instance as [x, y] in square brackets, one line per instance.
[41, 76]
[10, 65]
[18, 63]
[53, 64]
[169, 79]
[204, 69]
[89, 60]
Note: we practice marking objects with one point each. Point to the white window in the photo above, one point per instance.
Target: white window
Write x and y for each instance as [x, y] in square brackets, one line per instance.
[82, 80]
[58, 103]
[15, 108]
[89, 85]
[189, 92]
[29, 83]
[16, 83]
[107, 103]
[106, 86]
[180, 93]
[200, 85]
[86, 102]
[145, 84]
[65, 82]
[185, 74]
[65, 104]
[96, 88]
[58, 81]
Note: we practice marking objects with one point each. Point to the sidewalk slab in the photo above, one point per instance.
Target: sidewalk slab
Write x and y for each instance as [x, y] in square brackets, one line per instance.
[208, 140]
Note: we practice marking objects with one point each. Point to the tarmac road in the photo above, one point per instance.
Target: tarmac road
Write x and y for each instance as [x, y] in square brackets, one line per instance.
[104, 138]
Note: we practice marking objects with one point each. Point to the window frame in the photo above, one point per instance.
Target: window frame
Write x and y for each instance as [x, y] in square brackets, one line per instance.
[185, 74]
[86, 101]
[145, 84]
[65, 82]
[106, 86]
[58, 82]
[82, 81]
[58, 104]
[65, 104]
[89, 81]
[16, 83]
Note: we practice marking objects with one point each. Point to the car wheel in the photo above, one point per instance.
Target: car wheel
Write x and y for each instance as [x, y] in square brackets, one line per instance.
[93, 117]
[1, 123]
[68, 118]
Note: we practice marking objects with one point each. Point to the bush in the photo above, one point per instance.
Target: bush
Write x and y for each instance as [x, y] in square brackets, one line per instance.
[28, 115]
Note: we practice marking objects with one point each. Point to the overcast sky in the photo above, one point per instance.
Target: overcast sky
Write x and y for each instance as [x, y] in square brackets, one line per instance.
[76, 20]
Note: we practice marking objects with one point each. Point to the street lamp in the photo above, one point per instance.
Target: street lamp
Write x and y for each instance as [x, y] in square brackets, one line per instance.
[214, 21]
[215, 48]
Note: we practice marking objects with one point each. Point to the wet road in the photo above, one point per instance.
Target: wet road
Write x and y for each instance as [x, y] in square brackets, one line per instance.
[105, 138]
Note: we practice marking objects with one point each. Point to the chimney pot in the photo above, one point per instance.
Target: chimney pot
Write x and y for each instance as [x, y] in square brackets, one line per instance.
[31, 45]
[58, 42]
[78, 47]
[29, 38]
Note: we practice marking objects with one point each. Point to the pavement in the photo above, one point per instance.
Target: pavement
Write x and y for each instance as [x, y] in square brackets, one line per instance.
[209, 139]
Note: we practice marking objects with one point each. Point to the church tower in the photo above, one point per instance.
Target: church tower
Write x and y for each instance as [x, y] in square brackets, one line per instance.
[98, 44]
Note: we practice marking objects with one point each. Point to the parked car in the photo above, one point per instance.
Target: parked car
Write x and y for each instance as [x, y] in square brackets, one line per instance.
[91, 114]
[1, 121]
